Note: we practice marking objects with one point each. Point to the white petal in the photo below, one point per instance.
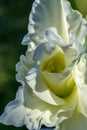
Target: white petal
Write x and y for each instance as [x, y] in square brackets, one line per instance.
[76, 122]
[49, 13]
[80, 76]
[27, 109]
[58, 14]
[41, 113]
[46, 50]
[78, 25]
[23, 67]
[60, 84]
[52, 35]
[41, 90]
[15, 112]
[71, 50]
[80, 73]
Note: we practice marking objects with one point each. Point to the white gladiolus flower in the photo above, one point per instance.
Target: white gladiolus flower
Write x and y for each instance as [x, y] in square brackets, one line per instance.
[53, 72]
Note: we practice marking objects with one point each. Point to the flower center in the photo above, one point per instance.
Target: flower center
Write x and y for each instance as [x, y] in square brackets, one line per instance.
[55, 63]
[52, 70]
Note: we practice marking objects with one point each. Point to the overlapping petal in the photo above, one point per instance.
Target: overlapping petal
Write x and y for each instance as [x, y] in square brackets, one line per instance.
[54, 14]
[53, 72]
[15, 112]
[80, 76]
[48, 110]
[75, 122]
[58, 14]
[22, 111]
[79, 118]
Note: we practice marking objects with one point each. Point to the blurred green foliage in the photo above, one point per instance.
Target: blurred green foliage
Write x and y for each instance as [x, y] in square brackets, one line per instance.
[13, 27]
[81, 7]
[73, 4]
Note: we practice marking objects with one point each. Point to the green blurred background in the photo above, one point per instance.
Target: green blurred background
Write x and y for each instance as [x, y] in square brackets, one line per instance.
[13, 26]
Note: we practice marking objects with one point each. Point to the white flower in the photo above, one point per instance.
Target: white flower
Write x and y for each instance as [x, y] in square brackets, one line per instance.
[53, 72]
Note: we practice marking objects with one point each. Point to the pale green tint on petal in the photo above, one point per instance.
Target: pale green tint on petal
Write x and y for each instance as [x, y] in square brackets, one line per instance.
[23, 66]
[60, 87]
[77, 25]
[41, 90]
[56, 46]
[34, 82]
[22, 111]
[40, 112]
[50, 14]
[71, 51]
[80, 77]
[80, 73]
[70, 56]
[76, 122]
[52, 68]
[82, 102]
[54, 61]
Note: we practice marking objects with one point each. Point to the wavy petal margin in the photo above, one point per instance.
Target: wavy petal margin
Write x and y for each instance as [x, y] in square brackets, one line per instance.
[58, 14]
[49, 111]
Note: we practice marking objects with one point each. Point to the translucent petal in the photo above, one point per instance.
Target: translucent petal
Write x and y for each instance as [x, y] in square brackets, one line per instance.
[76, 122]
[41, 113]
[15, 112]
[22, 111]
[41, 90]
[71, 50]
[62, 87]
[78, 25]
[80, 73]
[50, 14]
[23, 66]
[80, 77]
[46, 14]
[58, 14]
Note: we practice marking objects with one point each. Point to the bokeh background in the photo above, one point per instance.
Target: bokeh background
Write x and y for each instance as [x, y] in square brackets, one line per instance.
[13, 26]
